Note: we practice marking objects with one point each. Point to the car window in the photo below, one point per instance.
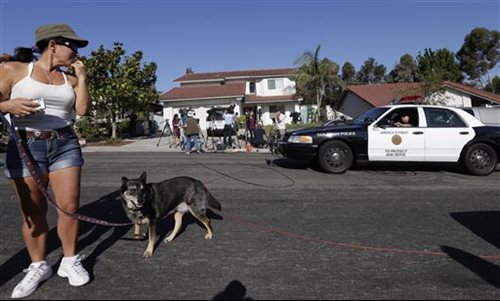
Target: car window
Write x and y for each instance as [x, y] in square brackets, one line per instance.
[438, 117]
[372, 114]
[392, 118]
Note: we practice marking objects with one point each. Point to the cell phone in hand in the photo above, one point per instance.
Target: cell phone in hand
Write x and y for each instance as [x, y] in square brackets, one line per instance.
[41, 103]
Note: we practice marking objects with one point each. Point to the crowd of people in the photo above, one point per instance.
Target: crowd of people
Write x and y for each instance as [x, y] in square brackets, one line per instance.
[188, 136]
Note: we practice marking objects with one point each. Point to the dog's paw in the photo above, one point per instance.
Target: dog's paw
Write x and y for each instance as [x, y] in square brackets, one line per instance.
[208, 236]
[139, 236]
[147, 254]
[168, 239]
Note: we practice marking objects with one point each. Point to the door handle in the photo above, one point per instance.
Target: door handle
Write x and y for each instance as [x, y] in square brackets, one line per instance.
[464, 133]
[417, 133]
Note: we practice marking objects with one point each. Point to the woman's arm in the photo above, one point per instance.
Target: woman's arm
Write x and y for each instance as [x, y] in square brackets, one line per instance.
[10, 73]
[81, 89]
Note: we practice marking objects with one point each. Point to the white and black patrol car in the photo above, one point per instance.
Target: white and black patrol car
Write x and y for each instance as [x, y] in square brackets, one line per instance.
[435, 134]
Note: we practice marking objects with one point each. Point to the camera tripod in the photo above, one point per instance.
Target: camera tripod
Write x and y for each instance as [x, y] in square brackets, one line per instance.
[169, 134]
[213, 146]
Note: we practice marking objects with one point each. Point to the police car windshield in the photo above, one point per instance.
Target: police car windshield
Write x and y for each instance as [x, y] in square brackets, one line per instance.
[372, 114]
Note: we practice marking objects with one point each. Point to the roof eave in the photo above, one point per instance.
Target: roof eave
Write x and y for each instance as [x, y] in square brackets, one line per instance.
[201, 98]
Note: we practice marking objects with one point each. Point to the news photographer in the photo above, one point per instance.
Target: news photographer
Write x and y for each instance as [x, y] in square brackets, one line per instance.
[228, 126]
[192, 133]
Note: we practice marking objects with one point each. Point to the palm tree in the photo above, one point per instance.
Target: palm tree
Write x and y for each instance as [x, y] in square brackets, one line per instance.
[316, 78]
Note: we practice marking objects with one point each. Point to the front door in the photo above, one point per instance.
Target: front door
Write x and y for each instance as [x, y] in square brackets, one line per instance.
[388, 142]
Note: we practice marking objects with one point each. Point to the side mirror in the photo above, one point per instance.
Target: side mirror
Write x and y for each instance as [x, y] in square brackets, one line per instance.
[368, 121]
[383, 123]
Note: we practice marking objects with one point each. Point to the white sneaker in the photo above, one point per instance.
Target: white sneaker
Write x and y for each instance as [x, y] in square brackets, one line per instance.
[71, 268]
[35, 274]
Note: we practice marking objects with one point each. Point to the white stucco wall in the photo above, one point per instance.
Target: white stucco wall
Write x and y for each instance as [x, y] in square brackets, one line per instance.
[262, 90]
[457, 99]
[267, 116]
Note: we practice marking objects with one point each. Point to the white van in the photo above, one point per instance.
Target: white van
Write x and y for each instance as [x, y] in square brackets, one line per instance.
[487, 115]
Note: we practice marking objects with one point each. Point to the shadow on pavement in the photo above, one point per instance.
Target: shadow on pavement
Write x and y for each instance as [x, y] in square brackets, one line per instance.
[375, 167]
[484, 224]
[107, 208]
[166, 224]
[288, 163]
[484, 269]
[235, 290]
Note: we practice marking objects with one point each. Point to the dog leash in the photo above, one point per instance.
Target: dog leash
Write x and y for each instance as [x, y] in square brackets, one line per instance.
[36, 176]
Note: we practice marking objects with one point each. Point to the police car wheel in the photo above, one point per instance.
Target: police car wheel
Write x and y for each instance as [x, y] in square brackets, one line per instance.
[480, 159]
[335, 157]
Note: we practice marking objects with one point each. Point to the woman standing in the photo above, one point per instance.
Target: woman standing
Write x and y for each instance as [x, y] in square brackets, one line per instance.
[52, 144]
[177, 130]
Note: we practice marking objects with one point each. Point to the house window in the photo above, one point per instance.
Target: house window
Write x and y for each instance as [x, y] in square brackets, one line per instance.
[274, 84]
[252, 87]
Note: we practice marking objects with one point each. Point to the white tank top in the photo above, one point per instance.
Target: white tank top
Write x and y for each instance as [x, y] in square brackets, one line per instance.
[59, 103]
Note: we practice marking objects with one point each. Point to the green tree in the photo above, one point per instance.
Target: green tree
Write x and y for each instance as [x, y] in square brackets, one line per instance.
[315, 78]
[404, 72]
[120, 83]
[494, 85]
[371, 72]
[479, 54]
[437, 66]
[348, 73]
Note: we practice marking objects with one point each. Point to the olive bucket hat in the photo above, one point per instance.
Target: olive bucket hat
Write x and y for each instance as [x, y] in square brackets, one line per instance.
[59, 30]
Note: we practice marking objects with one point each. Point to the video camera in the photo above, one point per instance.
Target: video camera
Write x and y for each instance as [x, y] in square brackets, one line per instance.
[230, 110]
[184, 111]
[296, 118]
[211, 112]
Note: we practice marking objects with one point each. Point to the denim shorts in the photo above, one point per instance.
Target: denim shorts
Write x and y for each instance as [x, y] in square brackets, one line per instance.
[49, 154]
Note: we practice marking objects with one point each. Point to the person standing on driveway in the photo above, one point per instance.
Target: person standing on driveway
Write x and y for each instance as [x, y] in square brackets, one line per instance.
[251, 127]
[192, 132]
[51, 142]
[280, 123]
[228, 127]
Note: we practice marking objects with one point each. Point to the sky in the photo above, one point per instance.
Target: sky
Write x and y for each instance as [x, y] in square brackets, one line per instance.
[211, 36]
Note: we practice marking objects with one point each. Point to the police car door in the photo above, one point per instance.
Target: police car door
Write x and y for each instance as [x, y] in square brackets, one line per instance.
[446, 134]
[387, 142]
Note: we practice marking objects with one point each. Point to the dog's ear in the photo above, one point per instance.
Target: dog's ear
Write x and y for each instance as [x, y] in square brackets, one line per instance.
[124, 180]
[143, 176]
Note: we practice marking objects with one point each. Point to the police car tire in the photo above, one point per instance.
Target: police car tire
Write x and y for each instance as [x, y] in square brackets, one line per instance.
[480, 159]
[335, 157]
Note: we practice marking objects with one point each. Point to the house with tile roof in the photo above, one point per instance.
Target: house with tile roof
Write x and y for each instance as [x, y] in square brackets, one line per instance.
[360, 98]
[263, 91]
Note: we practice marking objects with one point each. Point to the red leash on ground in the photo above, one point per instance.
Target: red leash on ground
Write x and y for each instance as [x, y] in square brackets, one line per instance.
[36, 176]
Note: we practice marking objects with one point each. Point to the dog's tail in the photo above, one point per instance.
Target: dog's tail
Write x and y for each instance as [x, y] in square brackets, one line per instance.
[213, 203]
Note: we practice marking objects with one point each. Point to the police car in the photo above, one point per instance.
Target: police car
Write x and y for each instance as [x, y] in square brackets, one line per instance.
[435, 134]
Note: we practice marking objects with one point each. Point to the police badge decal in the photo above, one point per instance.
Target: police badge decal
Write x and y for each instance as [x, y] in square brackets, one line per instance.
[396, 139]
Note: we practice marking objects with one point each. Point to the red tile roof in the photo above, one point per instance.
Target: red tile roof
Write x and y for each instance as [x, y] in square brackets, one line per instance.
[197, 92]
[383, 94]
[225, 74]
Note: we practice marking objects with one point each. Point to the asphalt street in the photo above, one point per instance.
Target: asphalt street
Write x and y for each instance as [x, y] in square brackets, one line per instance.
[286, 231]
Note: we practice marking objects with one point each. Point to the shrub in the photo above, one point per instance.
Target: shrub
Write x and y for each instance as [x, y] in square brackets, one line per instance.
[85, 128]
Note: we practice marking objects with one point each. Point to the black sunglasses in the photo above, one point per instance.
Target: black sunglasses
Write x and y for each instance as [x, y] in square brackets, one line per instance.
[68, 44]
